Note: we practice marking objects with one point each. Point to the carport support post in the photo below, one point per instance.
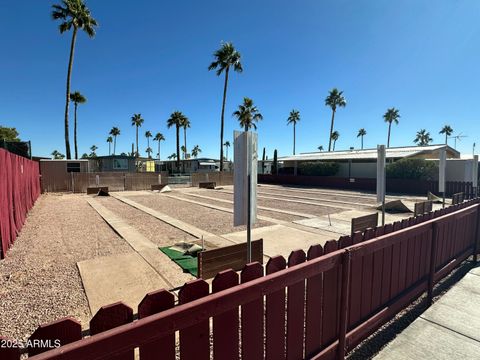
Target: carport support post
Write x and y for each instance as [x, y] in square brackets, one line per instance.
[441, 173]
[249, 215]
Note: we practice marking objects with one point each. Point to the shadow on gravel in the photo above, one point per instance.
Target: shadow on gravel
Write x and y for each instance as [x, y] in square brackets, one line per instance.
[373, 344]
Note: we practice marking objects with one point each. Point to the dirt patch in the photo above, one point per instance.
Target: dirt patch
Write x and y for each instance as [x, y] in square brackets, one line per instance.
[39, 279]
[160, 233]
[214, 221]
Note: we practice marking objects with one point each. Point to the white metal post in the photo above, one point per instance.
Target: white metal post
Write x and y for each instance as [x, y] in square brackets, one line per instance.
[441, 173]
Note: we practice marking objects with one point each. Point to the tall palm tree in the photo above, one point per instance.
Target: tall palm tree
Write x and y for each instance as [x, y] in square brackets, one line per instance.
[320, 148]
[72, 13]
[448, 131]
[293, 118]
[225, 58]
[391, 116]
[109, 141]
[176, 119]
[159, 137]
[423, 138]
[149, 151]
[148, 135]
[247, 114]
[77, 98]
[196, 150]
[334, 100]
[115, 131]
[335, 136]
[185, 124]
[227, 145]
[361, 133]
[93, 150]
[137, 121]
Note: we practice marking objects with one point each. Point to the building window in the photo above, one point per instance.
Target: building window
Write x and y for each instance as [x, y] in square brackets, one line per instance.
[120, 164]
[73, 167]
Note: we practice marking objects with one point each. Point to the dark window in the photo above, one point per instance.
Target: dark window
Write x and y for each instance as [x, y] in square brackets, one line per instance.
[73, 167]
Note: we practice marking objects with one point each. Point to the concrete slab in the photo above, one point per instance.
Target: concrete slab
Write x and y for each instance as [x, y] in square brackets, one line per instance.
[459, 310]
[280, 239]
[475, 271]
[126, 277]
[426, 340]
[334, 225]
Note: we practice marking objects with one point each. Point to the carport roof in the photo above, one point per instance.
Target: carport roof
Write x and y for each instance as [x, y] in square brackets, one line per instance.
[368, 154]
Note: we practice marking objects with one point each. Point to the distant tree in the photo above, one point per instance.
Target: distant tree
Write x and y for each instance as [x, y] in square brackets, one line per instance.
[85, 156]
[293, 118]
[73, 13]
[227, 145]
[275, 163]
[448, 131]
[137, 121]
[335, 136]
[159, 137]
[334, 100]
[185, 124]
[422, 138]
[173, 156]
[8, 134]
[361, 133]
[93, 150]
[149, 152]
[391, 116]
[263, 161]
[76, 98]
[176, 119]
[148, 135]
[225, 58]
[109, 141]
[115, 131]
[196, 150]
[248, 114]
[320, 148]
[57, 155]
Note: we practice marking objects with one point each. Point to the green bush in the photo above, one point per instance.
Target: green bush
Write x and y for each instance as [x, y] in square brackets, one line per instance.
[318, 168]
[418, 169]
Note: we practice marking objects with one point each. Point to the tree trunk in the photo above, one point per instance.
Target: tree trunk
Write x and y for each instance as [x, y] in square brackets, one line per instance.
[136, 139]
[185, 142]
[158, 150]
[75, 132]
[114, 144]
[331, 131]
[334, 141]
[178, 147]
[446, 139]
[109, 148]
[223, 113]
[293, 138]
[362, 142]
[67, 102]
[388, 140]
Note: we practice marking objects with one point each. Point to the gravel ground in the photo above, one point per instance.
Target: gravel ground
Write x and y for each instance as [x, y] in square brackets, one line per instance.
[39, 279]
[160, 233]
[271, 214]
[319, 197]
[214, 221]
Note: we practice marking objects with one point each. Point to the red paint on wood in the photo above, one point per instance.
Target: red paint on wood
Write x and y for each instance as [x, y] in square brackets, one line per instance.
[10, 352]
[194, 340]
[331, 301]
[275, 315]
[153, 303]
[252, 317]
[367, 279]
[226, 325]
[295, 310]
[314, 305]
[64, 331]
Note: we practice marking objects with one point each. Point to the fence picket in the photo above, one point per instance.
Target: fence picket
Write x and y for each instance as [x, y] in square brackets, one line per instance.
[331, 303]
[153, 303]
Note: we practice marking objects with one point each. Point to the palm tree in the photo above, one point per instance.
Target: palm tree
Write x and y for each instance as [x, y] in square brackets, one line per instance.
[320, 148]
[448, 131]
[109, 141]
[391, 116]
[334, 99]
[72, 13]
[159, 137]
[227, 145]
[115, 131]
[335, 136]
[57, 155]
[225, 57]
[149, 151]
[173, 156]
[93, 148]
[361, 133]
[77, 98]
[148, 135]
[423, 138]
[293, 118]
[137, 121]
[185, 124]
[248, 114]
[176, 119]
[196, 150]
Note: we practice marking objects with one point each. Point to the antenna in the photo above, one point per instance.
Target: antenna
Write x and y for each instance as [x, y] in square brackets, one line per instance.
[457, 137]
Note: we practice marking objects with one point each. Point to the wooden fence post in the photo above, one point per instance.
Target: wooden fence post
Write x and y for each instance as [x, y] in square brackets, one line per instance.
[433, 255]
[342, 349]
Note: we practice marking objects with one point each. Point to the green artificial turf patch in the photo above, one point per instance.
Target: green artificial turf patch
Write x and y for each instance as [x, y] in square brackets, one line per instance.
[187, 262]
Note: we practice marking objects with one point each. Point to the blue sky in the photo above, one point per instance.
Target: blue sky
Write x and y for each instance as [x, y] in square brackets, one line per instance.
[151, 57]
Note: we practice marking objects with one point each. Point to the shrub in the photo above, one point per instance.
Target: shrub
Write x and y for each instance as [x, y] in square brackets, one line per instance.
[418, 169]
[318, 168]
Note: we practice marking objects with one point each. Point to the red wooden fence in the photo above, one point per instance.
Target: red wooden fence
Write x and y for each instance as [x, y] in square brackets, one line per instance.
[19, 188]
[317, 305]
